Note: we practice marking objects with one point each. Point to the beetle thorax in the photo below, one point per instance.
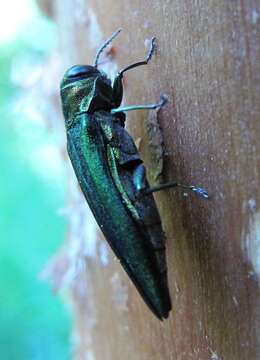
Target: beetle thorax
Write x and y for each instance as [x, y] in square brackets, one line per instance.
[86, 95]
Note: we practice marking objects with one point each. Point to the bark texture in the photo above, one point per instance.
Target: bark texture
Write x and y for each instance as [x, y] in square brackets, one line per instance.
[207, 63]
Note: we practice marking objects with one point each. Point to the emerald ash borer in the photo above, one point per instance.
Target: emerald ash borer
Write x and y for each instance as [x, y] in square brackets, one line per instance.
[112, 176]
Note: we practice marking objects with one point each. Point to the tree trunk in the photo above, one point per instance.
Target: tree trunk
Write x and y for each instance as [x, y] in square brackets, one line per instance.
[206, 62]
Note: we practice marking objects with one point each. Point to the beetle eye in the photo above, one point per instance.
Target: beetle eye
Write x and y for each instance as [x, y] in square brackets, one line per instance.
[78, 71]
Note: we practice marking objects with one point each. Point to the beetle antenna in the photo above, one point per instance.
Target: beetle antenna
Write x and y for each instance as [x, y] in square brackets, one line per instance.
[106, 43]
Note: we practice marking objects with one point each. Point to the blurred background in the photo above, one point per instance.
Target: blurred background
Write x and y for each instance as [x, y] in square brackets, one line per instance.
[63, 293]
[34, 323]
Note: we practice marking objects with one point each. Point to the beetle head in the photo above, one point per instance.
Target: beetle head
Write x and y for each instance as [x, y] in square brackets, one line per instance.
[78, 72]
[84, 88]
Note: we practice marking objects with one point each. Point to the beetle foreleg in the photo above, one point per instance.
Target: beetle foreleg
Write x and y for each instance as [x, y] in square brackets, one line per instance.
[118, 86]
[139, 63]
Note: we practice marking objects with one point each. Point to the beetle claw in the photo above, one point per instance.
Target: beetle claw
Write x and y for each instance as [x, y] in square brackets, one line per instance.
[163, 100]
[200, 192]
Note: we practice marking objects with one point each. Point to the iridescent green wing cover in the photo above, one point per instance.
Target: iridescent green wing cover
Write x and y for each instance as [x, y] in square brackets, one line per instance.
[124, 159]
[97, 168]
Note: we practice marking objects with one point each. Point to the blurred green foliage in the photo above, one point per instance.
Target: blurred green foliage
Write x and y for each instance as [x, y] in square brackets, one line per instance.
[34, 323]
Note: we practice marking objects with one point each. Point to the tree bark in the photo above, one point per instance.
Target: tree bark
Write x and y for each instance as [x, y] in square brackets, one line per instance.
[206, 62]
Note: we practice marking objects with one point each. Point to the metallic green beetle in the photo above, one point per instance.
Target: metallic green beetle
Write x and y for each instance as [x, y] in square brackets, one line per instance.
[112, 176]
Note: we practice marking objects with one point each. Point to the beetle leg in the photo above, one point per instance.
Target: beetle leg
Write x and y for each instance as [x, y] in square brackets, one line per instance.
[117, 90]
[139, 63]
[162, 102]
[118, 85]
[139, 178]
[197, 190]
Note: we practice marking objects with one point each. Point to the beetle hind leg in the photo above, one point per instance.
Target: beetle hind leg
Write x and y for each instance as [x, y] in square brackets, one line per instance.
[139, 177]
[198, 190]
